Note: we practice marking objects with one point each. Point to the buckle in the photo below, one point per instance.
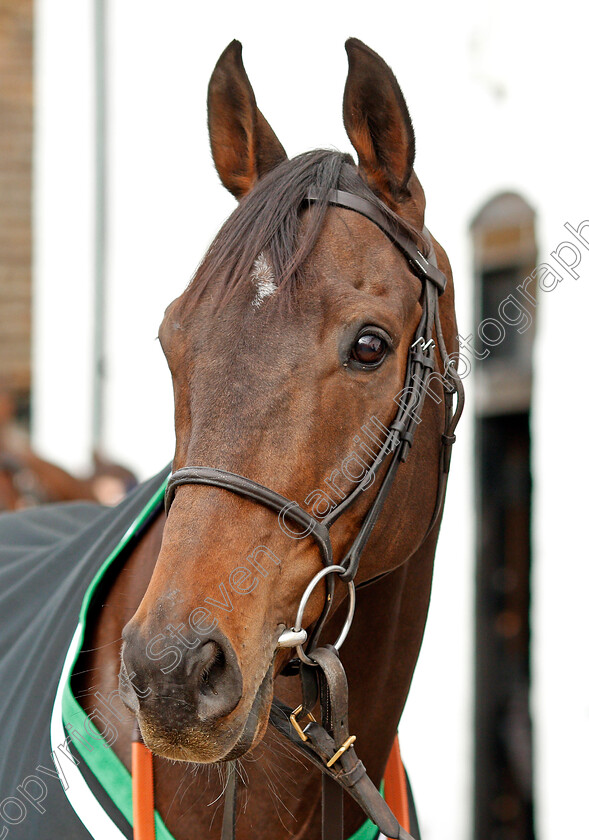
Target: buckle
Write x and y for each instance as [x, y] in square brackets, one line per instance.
[424, 345]
[420, 262]
[345, 746]
[297, 726]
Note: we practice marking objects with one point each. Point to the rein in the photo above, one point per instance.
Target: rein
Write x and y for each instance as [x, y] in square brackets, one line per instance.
[328, 744]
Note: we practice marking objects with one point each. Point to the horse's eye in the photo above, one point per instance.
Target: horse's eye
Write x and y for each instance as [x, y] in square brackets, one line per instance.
[369, 349]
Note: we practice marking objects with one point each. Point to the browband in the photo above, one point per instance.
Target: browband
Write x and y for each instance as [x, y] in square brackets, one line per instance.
[349, 201]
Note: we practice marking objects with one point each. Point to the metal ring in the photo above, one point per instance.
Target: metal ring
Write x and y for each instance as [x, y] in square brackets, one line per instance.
[327, 570]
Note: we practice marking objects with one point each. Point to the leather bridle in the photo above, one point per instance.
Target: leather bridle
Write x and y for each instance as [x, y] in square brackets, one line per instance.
[329, 745]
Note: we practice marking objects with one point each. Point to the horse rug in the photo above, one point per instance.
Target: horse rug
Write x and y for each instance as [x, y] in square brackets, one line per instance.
[59, 778]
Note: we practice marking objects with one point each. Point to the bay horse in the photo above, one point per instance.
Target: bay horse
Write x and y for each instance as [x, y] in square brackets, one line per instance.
[314, 344]
[27, 480]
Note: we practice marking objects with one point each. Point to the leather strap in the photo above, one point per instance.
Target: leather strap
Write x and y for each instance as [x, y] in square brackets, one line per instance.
[230, 806]
[251, 490]
[309, 689]
[349, 772]
[334, 694]
[325, 739]
[349, 201]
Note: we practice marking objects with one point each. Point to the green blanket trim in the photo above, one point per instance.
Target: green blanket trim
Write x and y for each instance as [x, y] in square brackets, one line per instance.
[97, 754]
[110, 772]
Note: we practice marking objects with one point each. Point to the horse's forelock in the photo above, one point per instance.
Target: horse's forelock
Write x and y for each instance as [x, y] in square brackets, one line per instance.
[266, 225]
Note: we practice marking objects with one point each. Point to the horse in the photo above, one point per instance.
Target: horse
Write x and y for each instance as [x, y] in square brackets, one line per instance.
[26, 479]
[313, 364]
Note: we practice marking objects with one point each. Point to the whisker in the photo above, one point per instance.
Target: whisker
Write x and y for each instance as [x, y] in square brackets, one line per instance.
[101, 647]
[175, 795]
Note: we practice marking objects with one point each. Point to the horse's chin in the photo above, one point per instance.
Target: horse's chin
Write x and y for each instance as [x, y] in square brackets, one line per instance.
[209, 745]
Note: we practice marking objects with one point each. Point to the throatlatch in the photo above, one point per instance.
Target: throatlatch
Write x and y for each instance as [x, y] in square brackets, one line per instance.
[329, 744]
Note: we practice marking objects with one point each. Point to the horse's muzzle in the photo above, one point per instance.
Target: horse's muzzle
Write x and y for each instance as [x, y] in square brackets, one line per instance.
[175, 690]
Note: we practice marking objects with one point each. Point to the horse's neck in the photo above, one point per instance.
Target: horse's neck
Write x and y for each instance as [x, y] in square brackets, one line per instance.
[283, 793]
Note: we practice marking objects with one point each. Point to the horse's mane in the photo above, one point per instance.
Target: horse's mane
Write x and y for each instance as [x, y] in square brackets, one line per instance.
[268, 220]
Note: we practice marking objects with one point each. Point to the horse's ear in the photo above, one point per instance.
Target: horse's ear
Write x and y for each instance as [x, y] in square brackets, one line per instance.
[378, 123]
[244, 146]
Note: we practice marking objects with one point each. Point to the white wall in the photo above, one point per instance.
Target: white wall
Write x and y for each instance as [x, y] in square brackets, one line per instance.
[63, 244]
[497, 100]
[560, 616]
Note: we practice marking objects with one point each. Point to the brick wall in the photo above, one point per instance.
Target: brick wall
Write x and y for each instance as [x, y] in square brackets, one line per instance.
[16, 125]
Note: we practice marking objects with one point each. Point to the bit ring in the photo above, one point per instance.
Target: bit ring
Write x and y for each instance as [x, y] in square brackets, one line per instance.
[298, 626]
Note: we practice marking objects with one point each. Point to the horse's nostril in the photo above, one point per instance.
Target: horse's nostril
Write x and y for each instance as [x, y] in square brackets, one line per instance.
[219, 683]
[203, 660]
[205, 682]
[212, 672]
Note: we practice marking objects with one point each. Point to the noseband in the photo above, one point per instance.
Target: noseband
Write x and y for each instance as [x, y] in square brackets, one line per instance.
[322, 675]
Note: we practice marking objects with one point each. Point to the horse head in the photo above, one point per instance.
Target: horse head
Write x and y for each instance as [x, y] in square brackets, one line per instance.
[288, 352]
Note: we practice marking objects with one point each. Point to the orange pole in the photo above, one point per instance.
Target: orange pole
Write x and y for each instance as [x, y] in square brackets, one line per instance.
[143, 795]
[395, 786]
